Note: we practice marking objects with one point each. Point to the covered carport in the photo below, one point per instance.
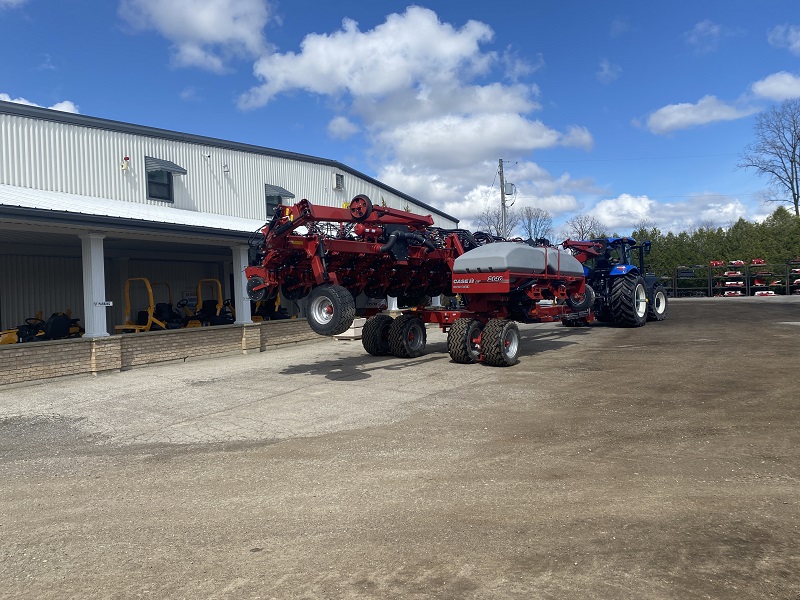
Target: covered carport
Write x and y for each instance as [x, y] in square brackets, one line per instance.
[64, 251]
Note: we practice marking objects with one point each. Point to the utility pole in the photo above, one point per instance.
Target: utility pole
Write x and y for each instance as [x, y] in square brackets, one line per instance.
[502, 201]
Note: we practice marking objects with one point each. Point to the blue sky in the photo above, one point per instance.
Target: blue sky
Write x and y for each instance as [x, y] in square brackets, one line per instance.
[627, 111]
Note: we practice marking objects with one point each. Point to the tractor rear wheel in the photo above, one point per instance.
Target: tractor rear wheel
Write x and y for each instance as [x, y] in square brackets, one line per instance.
[500, 343]
[628, 301]
[463, 340]
[375, 335]
[331, 309]
[657, 308]
[407, 336]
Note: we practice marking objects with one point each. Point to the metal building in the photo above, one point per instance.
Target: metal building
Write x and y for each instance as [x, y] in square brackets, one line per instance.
[87, 203]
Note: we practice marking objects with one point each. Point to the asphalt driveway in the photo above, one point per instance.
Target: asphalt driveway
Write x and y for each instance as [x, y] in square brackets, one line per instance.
[660, 462]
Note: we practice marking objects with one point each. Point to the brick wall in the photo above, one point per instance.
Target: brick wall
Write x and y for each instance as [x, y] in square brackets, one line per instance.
[42, 360]
[20, 363]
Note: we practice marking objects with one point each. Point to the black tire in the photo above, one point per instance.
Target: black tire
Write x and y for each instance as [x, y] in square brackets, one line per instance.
[360, 207]
[628, 301]
[331, 309]
[463, 341]
[657, 307]
[578, 302]
[375, 335]
[500, 343]
[407, 336]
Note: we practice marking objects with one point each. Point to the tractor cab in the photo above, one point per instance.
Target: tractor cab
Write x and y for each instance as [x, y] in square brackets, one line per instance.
[615, 255]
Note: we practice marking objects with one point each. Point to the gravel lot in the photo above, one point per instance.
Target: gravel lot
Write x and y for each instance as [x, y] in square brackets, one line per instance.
[659, 462]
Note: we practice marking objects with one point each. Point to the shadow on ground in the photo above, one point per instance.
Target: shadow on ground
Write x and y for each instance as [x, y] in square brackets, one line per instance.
[359, 367]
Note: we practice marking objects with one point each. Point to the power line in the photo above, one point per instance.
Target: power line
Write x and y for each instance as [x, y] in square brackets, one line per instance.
[651, 197]
[581, 160]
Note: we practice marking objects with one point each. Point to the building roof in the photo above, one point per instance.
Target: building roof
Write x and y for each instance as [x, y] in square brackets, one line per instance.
[87, 210]
[46, 114]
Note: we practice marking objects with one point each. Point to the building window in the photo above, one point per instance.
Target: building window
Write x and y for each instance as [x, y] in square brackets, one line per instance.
[160, 174]
[272, 203]
[338, 181]
[274, 195]
[159, 185]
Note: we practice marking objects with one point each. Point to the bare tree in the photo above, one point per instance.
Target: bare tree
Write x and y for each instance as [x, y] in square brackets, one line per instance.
[644, 225]
[776, 152]
[583, 227]
[537, 223]
[491, 221]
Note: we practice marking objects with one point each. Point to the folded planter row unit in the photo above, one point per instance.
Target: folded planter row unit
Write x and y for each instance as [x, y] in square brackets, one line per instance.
[737, 278]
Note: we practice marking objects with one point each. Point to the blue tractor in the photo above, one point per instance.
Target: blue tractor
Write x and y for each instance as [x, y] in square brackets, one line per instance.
[625, 294]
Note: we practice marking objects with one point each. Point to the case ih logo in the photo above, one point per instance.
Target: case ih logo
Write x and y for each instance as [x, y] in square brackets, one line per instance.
[463, 281]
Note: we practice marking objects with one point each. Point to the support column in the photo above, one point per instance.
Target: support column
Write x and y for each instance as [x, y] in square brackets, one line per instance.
[241, 300]
[94, 285]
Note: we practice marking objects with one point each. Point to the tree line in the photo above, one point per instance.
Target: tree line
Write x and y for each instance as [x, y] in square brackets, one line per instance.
[776, 239]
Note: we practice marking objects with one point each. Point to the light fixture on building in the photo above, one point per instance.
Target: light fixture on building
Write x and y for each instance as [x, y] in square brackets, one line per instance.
[226, 169]
[125, 164]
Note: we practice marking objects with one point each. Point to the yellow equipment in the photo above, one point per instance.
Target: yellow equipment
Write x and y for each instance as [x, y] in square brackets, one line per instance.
[214, 310]
[144, 318]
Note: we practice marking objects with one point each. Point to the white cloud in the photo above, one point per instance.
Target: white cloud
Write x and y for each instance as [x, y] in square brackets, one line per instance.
[577, 137]
[467, 191]
[517, 68]
[406, 51]
[708, 109]
[778, 86]
[188, 94]
[558, 204]
[64, 105]
[453, 141]
[434, 106]
[11, 3]
[704, 36]
[785, 36]
[623, 211]
[619, 26]
[608, 72]
[46, 64]
[341, 128]
[626, 211]
[204, 33]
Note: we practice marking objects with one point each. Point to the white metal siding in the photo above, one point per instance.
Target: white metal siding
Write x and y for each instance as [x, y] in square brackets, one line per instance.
[75, 159]
[34, 283]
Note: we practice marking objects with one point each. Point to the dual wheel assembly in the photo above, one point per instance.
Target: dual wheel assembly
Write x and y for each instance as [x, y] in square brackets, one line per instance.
[468, 340]
[404, 337]
[495, 344]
